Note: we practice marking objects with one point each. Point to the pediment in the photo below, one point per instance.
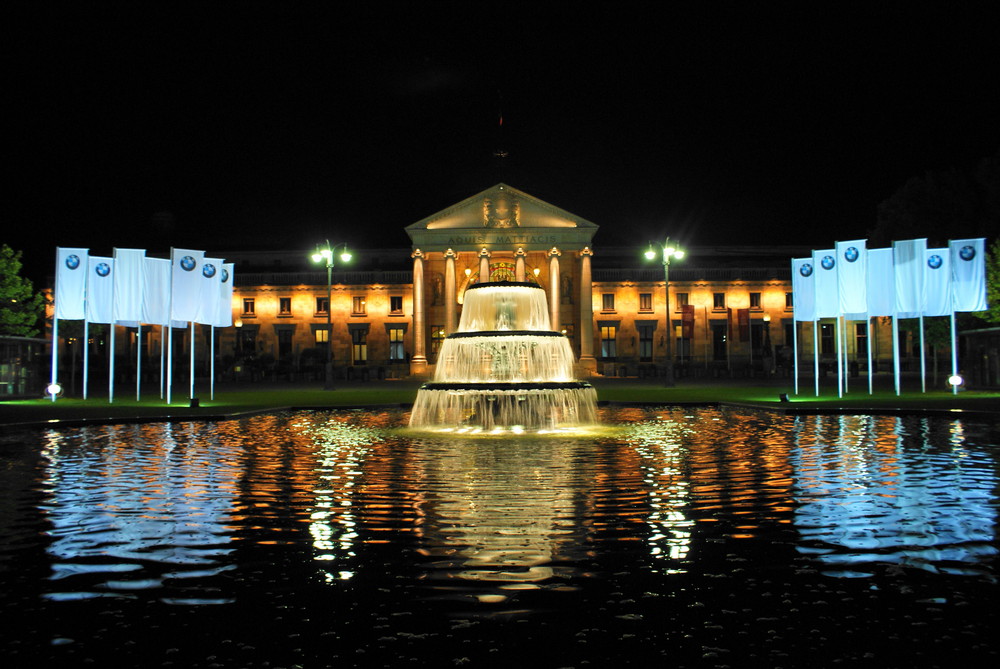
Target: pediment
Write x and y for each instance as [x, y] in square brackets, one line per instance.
[500, 208]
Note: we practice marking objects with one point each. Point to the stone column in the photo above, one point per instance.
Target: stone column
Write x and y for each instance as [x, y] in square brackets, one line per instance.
[587, 360]
[450, 301]
[418, 362]
[484, 266]
[554, 281]
[519, 256]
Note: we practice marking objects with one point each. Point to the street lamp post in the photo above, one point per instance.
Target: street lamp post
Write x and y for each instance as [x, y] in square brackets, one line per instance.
[668, 252]
[326, 254]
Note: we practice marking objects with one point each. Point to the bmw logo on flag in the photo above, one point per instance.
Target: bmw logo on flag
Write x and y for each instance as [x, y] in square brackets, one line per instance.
[188, 263]
[806, 269]
[934, 261]
[851, 254]
[208, 271]
[966, 253]
[73, 261]
[103, 269]
[828, 262]
[225, 275]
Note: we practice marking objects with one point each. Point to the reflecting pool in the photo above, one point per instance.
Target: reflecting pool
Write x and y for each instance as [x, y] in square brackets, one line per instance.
[670, 537]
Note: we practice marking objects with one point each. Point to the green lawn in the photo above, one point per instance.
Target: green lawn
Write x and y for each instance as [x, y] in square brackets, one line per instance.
[234, 399]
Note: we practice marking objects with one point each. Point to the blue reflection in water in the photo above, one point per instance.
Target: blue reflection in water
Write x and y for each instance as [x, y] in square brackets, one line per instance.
[138, 508]
[907, 492]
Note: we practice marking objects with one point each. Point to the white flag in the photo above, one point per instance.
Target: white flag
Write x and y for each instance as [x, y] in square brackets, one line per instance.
[908, 264]
[210, 291]
[129, 283]
[825, 269]
[881, 283]
[937, 282]
[100, 289]
[852, 277]
[224, 318]
[71, 283]
[185, 284]
[156, 293]
[803, 290]
[968, 274]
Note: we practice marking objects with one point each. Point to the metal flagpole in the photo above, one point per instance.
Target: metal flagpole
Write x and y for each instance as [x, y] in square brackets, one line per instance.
[869, 338]
[923, 358]
[163, 344]
[844, 360]
[795, 353]
[86, 355]
[211, 364]
[895, 351]
[111, 361]
[954, 354]
[840, 363]
[170, 328]
[191, 380]
[55, 352]
[138, 359]
[816, 355]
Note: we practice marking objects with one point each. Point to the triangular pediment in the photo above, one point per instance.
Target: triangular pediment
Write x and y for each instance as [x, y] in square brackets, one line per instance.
[500, 208]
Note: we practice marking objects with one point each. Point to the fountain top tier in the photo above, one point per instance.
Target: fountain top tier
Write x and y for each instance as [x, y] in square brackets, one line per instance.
[505, 306]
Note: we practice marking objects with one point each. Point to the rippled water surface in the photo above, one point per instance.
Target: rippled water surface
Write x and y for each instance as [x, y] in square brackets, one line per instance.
[668, 537]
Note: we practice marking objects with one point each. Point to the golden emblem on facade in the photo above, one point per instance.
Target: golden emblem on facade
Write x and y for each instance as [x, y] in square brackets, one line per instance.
[501, 211]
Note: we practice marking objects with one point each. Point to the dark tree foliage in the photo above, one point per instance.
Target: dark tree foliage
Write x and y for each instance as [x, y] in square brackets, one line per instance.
[21, 309]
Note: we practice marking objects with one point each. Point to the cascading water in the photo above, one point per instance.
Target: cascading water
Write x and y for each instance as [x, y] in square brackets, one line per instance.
[505, 369]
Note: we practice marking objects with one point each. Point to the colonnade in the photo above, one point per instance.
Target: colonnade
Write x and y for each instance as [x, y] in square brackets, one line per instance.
[419, 361]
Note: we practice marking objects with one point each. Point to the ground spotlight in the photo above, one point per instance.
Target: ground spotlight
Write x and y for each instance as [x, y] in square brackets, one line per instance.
[956, 381]
[53, 390]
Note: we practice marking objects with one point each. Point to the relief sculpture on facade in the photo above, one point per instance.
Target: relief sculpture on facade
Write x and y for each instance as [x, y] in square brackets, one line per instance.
[501, 211]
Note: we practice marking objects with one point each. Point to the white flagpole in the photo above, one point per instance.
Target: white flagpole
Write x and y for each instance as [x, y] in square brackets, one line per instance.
[795, 353]
[211, 364]
[869, 340]
[86, 355]
[191, 391]
[845, 359]
[840, 363]
[923, 358]
[55, 351]
[170, 327]
[138, 359]
[163, 348]
[816, 355]
[954, 354]
[111, 363]
[895, 351]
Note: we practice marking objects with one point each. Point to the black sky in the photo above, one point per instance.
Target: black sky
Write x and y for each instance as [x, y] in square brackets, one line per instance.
[274, 125]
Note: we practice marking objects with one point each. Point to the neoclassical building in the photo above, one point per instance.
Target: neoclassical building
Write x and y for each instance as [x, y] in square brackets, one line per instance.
[731, 307]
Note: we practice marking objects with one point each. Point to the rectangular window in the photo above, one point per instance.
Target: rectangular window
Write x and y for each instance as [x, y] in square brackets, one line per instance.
[249, 306]
[396, 351]
[608, 302]
[755, 300]
[322, 335]
[827, 347]
[359, 346]
[681, 299]
[396, 304]
[861, 338]
[718, 300]
[284, 344]
[322, 305]
[789, 301]
[358, 306]
[284, 306]
[646, 343]
[645, 301]
[609, 342]
[720, 340]
[789, 334]
[437, 338]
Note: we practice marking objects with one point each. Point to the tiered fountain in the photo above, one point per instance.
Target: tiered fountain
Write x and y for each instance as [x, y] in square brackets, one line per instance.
[505, 369]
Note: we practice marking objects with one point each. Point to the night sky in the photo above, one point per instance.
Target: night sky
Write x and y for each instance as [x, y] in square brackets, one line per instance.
[274, 126]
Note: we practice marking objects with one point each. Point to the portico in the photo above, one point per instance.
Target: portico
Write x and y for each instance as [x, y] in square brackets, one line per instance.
[501, 234]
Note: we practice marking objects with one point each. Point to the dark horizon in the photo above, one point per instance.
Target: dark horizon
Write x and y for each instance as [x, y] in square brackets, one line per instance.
[277, 127]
